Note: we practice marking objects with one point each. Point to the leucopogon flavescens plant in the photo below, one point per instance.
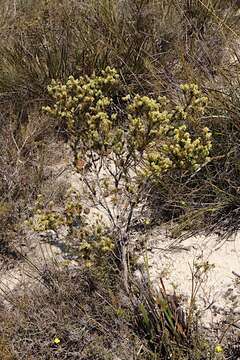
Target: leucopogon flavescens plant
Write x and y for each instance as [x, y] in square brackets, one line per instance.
[122, 143]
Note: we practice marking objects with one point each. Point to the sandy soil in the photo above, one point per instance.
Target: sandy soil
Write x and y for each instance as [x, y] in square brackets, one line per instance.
[175, 261]
[29, 269]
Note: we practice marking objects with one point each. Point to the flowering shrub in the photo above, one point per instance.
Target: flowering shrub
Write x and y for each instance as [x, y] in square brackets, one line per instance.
[134, 128]
[122, 144]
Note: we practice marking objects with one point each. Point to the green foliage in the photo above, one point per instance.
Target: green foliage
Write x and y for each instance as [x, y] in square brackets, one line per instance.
[144, 130]
[128, 142]
[160, 319]
[94, 240]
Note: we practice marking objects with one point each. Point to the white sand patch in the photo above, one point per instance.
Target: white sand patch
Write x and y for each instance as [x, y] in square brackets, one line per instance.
[30, 270]
[219, 294]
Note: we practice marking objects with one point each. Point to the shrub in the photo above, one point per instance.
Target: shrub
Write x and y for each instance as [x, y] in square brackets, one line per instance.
[122, 145]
